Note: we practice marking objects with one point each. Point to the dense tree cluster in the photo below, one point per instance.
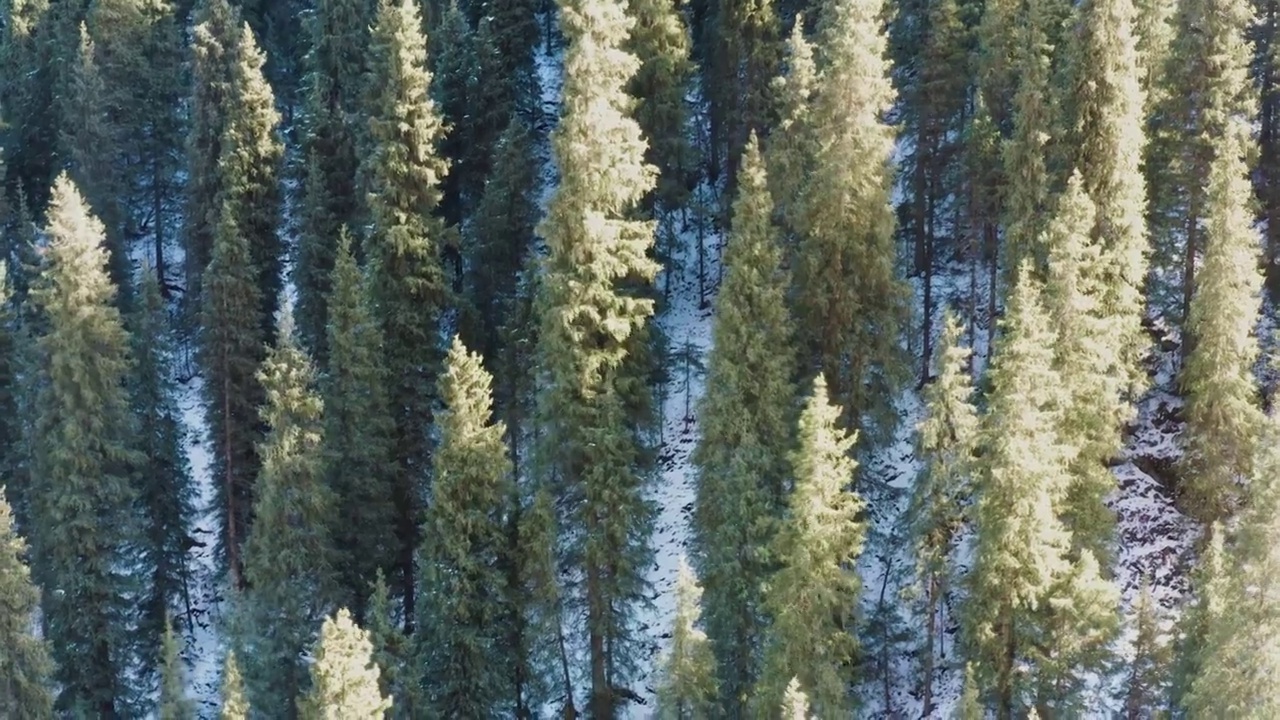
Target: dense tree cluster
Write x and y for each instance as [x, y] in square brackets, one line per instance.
[415, 293]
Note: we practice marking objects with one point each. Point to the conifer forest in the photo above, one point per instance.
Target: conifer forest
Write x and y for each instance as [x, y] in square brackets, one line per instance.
[639, 359]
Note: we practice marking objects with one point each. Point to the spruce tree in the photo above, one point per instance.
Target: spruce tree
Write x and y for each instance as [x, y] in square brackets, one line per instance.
[688, 686]
[1020, 545]
[1148, 674]
[660, 42]
[231, 349]
[336, 66]
[537, 597]
[746, 414]
[1196, 625]
[1024, 153]
[392, 652]
[288, 554]
[14, 460]
[592, 324]
[1110, 140]
[165, 478]
[1223, 419]
[453, 61]
[234, 705]
[83, 497]
[969, 706]
[945, 440]
[744, 47]
[404, 173]
[850, 319]
[795, 704]
[250, 160]
[811, 598]
[173, 702]
[792, 148]
[358, 428]
[214, 37]
[27, 94]
[344, 677]
[24, 658]
[1153, 26]
[1093, 410]
[462, 549]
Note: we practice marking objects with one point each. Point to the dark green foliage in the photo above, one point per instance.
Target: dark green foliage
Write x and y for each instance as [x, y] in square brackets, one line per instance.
[403, 251]
[463, 544]
[288, 560]
[660, 42]
[746, 432]
[358, 429]
[165, 478]
[82, 495]
[24, 659]
[741, 56]
[13, 347]
[27, 94]
[393, 654]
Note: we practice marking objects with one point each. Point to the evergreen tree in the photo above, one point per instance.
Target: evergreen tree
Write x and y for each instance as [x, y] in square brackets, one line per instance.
[945, 441]
[234, 705]
[27, 95]
[83, 498]
[14, 460]
[165, 478]
[592, 325]
[344, 677]
[742, 452]
[1205, 89]
[969, 707]
[811, 598]
[407, 280]
[792, 148]
[1110, 140]
[358, 428]
[453, 61]
[463, 543]
[1024, 153]
[1154, 28]
[173, 704]
[1093, 410]
[1019, 551]
[1194, 629]
[250, 165]
[743, 50]
[1223, 419]
[850, 323]
[24, 659]
[392, 653]
[660, 42]
[1148, 673]
[287, 556]
[795, 704]
[231, 349]
[1081, 620]
[214, 37]
[339, 34]
[1238, 661]
[688, 685]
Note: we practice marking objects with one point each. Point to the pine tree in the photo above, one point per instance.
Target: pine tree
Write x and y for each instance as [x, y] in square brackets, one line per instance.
[344, 677]
[592, 324]
[287, 556]
[250, 160]
[688, 685]
[1206, 88]
[946, 442]
[795, 704]
[1093, 410]
[1148, 673]
[746, 418]
[1024, 153]
[1238, 660]
[660, 42]
[234, 705]
[1019, 552]
[24, 658]
[339, 33]
[850, 320]
[1110, 140]
[1223, 419]
[791, 149]
[83, 497]
[408, 282]
[215, 35]
[463, 543]
[392, 653]
[173, 704]
[165, 478]
[811, 598]
[231, 349]
[358, 428]
[969, 706]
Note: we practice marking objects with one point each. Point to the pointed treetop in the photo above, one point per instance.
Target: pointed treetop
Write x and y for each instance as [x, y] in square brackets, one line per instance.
[344, 677]
[234, 705]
